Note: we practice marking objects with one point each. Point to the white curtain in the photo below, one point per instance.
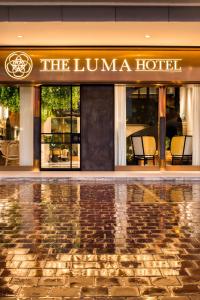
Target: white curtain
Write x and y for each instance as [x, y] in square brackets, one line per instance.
[196, 124]
[120, 125]
[186, 109]
[183, 102]
[189, 107]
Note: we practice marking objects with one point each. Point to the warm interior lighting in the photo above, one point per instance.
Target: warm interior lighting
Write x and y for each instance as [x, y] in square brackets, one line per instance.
[147, 36]
[20, 36]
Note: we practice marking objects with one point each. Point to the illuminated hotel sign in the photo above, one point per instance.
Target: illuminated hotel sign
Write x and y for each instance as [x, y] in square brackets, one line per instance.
[113, 65]
[98, 64]
[18, 65]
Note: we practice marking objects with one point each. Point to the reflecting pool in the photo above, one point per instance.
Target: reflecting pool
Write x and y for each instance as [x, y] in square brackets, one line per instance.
[99, 240]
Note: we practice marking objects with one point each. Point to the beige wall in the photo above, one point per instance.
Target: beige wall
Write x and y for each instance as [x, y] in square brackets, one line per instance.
[26, 126]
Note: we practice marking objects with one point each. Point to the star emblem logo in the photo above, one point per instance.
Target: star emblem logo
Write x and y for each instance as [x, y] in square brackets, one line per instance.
[18, 65]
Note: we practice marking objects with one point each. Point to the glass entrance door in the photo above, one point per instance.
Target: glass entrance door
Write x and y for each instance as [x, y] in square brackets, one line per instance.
[60, 127]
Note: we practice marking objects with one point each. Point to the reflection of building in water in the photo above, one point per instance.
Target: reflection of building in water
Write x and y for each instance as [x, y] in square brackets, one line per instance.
[188, 199]
[121, 216]
[60, 228]
[10, 217]
[97, 218]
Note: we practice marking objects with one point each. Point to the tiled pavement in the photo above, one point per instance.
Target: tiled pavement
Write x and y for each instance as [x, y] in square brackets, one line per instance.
[99, 241]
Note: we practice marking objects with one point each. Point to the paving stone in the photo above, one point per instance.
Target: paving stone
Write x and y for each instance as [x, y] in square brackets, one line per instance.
[65, 292]
[187, 289]
[138, 281]
[153, 291]
[8, 298]
[175, 298]
[165, 281]
[44, 298]
[194, 297]
[190, 279]
[51, 281]
[81, 281]
[25, 281]
[147, 272]
[123, 291]
[34, 292]
[98, 291]
[103, 281]
[6, 291]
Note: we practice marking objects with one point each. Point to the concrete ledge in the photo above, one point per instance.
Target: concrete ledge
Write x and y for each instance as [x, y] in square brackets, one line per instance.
[100, 176]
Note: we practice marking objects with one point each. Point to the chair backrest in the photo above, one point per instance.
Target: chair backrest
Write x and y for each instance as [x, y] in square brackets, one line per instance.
[65, 152]
[13, 149]
[188, 145]
[144, 145]
[177, 145]
[56, 151]
[181, 145]
[149, 143]
[3, 147]
[137, 145]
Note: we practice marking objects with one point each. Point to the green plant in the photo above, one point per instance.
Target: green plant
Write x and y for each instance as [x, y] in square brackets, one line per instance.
[55, 98]
[129, 159]
[75, 98]
[9, 97]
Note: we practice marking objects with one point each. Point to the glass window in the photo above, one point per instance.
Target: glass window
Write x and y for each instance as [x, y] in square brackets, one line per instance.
[142, 125]
[60, 127]
[182, 126]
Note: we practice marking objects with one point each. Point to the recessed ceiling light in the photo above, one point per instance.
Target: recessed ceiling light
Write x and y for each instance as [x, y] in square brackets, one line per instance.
[20, 36]
[147, 36]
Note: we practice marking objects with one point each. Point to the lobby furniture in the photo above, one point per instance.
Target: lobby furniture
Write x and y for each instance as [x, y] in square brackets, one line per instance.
[58, 154]
[11, 151]
[3, 145]
[181, 149]
[55, 155]
[65, 155]
[144, 148]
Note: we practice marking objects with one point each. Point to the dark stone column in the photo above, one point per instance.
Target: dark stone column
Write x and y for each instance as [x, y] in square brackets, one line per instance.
[162, 126]
[97, 127]
[37, 128]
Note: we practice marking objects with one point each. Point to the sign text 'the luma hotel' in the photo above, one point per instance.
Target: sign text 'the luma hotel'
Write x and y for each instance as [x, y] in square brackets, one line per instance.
[113, 65]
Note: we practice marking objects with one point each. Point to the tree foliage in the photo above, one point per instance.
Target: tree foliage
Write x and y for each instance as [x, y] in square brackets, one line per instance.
[9, 97]
[56, 98]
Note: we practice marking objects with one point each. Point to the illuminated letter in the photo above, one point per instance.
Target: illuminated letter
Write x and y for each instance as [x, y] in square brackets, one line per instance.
[148, 65]
[140, 64]
[106, 67]
[125, 65]
[161, 64]
[89, 64]
[176, 67]
[45, 63]
[77, 65]
[55, 65]
[169, 66]
[64, 64]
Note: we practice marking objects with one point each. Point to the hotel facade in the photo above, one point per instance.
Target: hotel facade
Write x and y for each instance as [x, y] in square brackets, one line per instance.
[99, 86]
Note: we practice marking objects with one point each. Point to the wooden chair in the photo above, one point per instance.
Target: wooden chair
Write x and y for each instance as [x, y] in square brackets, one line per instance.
[144, 148]
[11, 152]
[181, 149]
